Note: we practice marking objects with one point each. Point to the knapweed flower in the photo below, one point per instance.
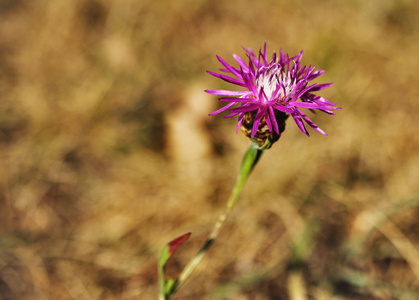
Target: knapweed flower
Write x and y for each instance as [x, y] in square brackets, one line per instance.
[273, 90]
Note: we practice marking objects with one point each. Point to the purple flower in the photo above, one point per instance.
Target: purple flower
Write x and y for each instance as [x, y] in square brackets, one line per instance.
[271, 91]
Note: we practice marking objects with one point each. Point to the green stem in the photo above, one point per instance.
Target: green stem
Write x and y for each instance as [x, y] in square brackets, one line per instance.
[250, 159]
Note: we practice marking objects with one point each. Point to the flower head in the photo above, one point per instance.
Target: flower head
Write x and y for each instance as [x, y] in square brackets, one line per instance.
[271, 92]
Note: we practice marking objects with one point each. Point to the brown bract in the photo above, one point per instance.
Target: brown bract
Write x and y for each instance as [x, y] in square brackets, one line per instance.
[263, 132]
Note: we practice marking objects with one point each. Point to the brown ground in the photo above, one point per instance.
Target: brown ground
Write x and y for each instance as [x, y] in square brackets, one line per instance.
[107, 152]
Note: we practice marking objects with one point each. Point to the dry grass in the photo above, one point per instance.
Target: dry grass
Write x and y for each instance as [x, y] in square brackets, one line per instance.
[107, 153]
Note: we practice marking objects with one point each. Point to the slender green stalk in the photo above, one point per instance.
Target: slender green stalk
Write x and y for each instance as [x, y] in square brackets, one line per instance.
[250, 159]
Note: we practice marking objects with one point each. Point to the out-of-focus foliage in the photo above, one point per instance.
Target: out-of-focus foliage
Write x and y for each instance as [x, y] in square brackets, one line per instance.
[107, 152]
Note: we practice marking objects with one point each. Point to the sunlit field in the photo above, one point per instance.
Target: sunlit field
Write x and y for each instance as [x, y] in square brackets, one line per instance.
[107, 152]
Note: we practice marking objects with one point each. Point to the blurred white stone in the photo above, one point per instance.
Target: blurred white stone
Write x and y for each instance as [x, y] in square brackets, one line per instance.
[189, 143]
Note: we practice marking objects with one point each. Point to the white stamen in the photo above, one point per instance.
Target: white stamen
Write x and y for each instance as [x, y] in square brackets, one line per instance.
[270, 78]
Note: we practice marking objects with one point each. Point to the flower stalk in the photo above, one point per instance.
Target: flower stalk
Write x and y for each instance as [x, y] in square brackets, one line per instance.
[250, 159]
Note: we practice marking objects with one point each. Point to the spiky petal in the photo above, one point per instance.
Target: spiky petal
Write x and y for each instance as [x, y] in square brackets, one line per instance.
[276, 87]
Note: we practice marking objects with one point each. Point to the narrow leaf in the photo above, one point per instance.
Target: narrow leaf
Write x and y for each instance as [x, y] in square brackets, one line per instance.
[165, 254]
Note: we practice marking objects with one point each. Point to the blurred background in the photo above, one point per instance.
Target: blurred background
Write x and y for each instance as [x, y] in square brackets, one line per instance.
[107, 151]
